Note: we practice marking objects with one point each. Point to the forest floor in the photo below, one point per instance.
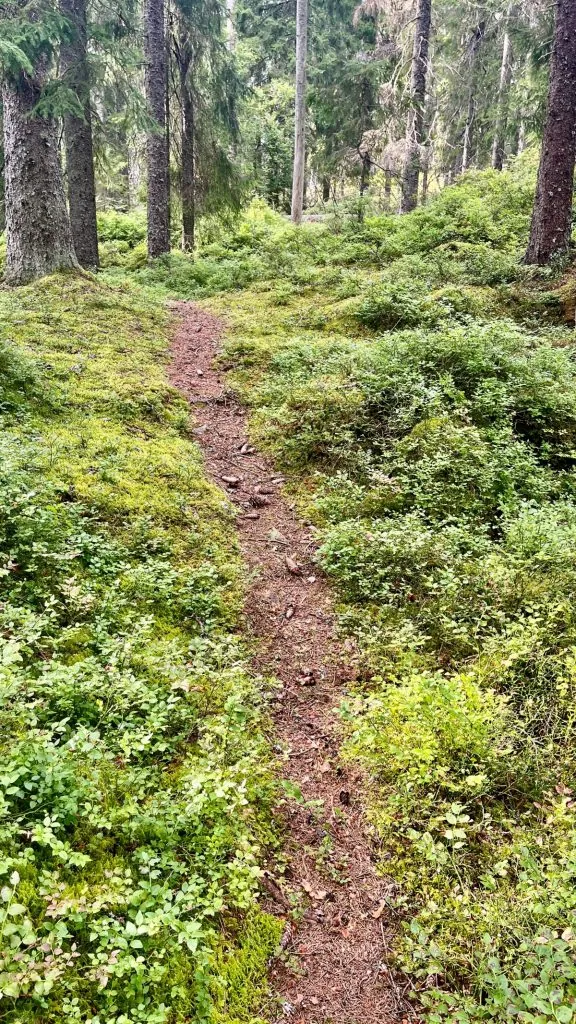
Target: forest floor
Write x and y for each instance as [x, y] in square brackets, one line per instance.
[335, 903]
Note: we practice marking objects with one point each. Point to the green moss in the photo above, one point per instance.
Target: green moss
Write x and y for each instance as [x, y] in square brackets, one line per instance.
[242, 992]
[135, 778]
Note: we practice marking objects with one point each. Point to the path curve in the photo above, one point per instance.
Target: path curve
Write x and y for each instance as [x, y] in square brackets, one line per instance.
[334, 970]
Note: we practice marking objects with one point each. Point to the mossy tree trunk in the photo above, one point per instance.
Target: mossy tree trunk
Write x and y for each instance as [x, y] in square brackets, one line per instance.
[78, 137]
[38, 235]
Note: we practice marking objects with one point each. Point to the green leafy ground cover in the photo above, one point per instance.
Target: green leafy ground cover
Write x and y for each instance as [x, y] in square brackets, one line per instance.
[418, 387]
[135, 781]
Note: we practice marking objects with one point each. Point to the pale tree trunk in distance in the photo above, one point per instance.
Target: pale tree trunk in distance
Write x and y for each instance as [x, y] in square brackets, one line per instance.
[231, 37]
[78, 138]
[498, 146]
[552, 215]
[134, 169]
[415, 127]
[300, 111]
[475, 44]
[157, 140]
[38, 235]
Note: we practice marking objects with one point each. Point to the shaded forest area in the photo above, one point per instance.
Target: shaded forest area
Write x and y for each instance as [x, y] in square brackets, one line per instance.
[373, 204]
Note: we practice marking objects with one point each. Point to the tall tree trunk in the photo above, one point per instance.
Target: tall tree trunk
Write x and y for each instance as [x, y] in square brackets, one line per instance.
[300, 111]
[415, 127]
[157, 140]
[325, 189]
[78, 138]
[38, 235]
[499, 143]
[187, 189]
[474, 49]
[552, 216]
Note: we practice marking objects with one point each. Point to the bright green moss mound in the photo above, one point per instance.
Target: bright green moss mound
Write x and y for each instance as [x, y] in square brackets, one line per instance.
[134, 779]
[423, 406]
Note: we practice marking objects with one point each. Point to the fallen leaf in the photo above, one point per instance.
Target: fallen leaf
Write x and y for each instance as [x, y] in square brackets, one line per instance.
[377, 913]
[292, 566]
[316, 894]
[289, 613]
[276, 537]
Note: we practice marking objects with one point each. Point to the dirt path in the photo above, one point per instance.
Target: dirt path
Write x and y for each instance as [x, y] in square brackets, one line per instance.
[335, 970]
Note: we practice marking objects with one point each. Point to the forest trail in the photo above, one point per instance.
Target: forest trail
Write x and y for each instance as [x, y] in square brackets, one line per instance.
[334, 969]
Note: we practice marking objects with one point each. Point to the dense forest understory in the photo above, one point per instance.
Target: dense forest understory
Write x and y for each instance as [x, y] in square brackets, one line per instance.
[415, 384]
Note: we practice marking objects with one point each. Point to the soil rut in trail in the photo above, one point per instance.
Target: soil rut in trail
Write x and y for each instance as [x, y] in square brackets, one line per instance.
[338, 948]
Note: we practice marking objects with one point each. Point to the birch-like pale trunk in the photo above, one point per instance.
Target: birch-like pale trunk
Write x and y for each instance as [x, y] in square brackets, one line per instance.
[300, 111]
[498, 145]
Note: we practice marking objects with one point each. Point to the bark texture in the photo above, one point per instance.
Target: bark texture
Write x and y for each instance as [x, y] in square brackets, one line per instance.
[552, 216]
[415, 127]
[78, 138]
[187, 189]
[38, 235]
[157, 139]
[300, 125]
[498, 146]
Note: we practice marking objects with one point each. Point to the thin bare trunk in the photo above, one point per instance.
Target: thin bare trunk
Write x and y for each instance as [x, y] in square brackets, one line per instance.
[474, 49]
[499, 143]
[157, 140]
[300, 111]
[552, 216]
[365, 173]
[415, 126]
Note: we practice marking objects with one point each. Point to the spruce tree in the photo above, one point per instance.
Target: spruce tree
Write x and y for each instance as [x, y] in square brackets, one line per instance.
[78, 137]
[38, 235]
[157, 140]
[552, 216]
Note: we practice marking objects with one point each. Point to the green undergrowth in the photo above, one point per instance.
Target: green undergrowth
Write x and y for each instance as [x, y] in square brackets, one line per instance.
[422, 404]
[135, 779]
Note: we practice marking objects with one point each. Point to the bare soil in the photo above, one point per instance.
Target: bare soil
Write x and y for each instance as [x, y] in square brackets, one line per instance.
[334, 964]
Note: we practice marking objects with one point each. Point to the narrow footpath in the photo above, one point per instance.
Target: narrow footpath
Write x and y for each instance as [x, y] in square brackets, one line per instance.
[334, 968]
